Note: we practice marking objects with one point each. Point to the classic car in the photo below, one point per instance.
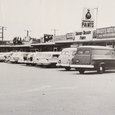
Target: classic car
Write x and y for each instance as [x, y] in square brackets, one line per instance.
[15, 57]
[23, 57]
[65, 58]
[97, 58]
[2, 56]
[48, 58]
[30, 58]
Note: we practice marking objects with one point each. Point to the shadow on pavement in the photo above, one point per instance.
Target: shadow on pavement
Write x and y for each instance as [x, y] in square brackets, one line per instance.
[95, 73]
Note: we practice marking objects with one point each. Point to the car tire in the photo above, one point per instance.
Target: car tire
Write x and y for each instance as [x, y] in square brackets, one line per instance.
[67, 68]
[101, 69]
[81, 71]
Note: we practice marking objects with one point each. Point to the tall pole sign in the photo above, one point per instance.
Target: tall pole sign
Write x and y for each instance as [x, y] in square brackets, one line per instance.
[88, 18]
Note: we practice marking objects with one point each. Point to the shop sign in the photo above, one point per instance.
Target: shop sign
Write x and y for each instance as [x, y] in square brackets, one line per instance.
[83, 35]
[70, 36]
[60, 38]
[88, 18]
[108, 32]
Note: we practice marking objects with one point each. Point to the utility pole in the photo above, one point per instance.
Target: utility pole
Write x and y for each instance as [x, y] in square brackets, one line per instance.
[54, 32]
[2, 28]
[27, 31]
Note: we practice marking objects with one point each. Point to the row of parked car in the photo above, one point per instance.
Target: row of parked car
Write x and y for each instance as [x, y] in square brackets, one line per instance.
[31, 58]
[83, 58]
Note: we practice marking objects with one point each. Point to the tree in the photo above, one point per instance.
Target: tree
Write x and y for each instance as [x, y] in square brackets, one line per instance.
[48, 37]
[17, 41]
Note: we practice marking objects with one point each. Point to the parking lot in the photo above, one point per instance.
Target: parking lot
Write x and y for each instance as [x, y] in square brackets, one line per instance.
[29, 90]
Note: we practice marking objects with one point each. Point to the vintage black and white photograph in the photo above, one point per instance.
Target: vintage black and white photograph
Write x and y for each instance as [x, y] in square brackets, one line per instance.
[57, 57]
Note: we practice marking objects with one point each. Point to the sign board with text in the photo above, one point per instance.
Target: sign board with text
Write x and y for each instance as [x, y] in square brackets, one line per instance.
[88, 18]
[108, 32]
[70, 36]
[60, 38]
[83, 35]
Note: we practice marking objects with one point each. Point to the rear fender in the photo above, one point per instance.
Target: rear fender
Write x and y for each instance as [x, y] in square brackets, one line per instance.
[97, 64]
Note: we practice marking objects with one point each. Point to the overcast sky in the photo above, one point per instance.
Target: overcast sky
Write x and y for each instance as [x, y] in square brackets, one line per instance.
[42, 16]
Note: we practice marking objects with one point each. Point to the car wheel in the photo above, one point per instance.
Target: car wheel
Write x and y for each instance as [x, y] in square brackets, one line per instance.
[67, 68]
[101, 69]
[81, 71]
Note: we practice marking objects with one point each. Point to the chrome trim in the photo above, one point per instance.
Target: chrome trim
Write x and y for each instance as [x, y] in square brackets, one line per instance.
[82, 66]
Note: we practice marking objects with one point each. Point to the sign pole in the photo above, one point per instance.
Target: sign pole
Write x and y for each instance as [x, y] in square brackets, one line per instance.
[96, 17]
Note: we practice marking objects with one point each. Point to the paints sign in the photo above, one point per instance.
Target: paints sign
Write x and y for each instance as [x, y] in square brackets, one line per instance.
[88, 18]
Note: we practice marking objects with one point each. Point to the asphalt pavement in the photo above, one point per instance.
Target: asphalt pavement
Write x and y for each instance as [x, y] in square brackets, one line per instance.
[29, 90]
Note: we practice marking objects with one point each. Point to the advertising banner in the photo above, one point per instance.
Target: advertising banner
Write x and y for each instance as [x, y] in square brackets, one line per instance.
[88, 18]
[108, 32]
[60, 38]
[70, 36]
[84, 35]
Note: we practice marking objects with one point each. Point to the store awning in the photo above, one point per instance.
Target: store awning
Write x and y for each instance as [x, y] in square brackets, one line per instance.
[43, 44]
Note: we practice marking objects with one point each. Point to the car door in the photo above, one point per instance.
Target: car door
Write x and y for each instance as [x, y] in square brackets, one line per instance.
[83, 56]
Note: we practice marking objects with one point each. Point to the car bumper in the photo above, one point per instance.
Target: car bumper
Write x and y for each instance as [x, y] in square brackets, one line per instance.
[46, 62]
[22, 62]
[62, 65]
[29, 62]
[82, 66]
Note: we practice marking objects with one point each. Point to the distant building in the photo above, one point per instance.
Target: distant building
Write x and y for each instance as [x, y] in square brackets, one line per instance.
[4, 42]
[30, 40]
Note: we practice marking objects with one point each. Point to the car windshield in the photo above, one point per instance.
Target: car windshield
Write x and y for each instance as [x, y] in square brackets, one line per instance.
[64, 53]
[69, 52]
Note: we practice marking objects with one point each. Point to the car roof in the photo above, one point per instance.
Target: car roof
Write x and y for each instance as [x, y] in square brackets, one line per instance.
[96, 47]
[69, 49]
[51, 52]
